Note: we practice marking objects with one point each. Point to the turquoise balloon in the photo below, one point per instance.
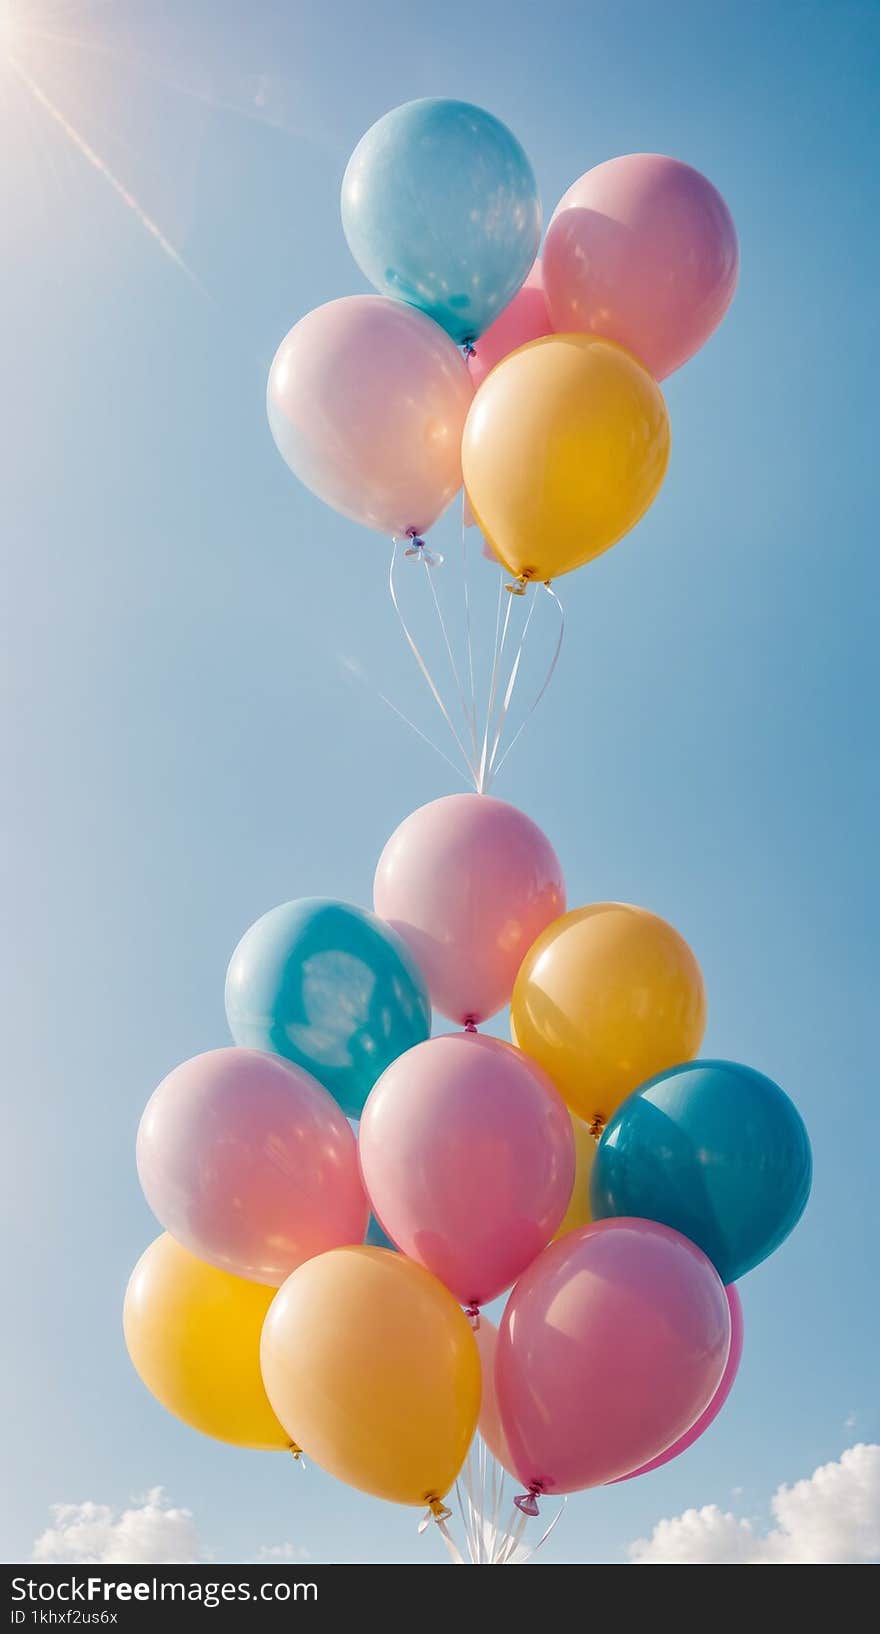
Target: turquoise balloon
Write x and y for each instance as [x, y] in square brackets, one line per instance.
[330, 987]
[440, 208]
[376, 1237]
[715, 1150]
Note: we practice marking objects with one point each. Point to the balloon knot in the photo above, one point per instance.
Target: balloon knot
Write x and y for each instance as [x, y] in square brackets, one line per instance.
[527, 1502]
[469, 348]
[520, 585]
[472, 1312]
[597, 1125]
[296, 1452]
[436, 1511]
[417, 550]
[470, 1025]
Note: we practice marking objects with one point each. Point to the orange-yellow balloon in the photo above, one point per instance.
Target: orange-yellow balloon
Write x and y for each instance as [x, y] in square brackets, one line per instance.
[608, 996]
[565, 446]
[372, 1367]
[578, 1211]
[193, 1334]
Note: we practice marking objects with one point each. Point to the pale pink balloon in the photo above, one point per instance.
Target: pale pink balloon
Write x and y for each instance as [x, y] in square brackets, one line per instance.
[721, 1394]
[490, 1425]
[469, 882]
[612, 1345]
[250, 1164]
[366, 400]
[467, 1155]
[643, 251]
[526, 318]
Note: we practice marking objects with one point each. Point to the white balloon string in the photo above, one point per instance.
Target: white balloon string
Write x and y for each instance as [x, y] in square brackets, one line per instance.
[509, 691]
[432, 685]
[361, 675]
[546, 682]
[454, 1551]
[454, 667]
[493, 685]
[465, 564]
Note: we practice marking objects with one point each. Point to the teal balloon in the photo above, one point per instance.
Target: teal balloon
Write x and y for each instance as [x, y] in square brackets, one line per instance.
[715, 1150]
[440, 208]
[330, 987]
[376, 1237]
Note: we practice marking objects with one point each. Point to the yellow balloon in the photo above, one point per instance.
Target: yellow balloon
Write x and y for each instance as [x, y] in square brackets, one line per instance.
[565, 446]
[193, 1334]
[578, 1211]
[606, 997]
[372, 1366]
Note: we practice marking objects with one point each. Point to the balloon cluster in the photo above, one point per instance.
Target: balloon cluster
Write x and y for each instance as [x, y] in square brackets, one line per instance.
[616, 1186]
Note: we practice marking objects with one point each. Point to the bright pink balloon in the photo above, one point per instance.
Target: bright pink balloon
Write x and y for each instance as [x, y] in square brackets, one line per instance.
[525, 319]
[721, 1394]
[467, 1154]
[248, 1163]
[490, 1425]
[469, 882]
[642, 250]
[366, 401]
[611, 1346]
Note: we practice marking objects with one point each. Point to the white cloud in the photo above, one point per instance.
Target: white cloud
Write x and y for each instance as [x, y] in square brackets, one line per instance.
[151, 1533]
[280, 1554]
[830, 1519]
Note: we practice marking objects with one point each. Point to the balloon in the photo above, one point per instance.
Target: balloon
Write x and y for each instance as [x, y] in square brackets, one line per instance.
[193, 1334]
[366, 401]
[710, 1413]
[612, 1344]
[489, 1423]
[467, 1155]
[468, 882]
[250, 1164]
[377, 1238]
[565, 447]
[440, 208]
[642, 250]
[525, 319]
[372, 1367]
[578, 1212]
[331, 988]
[607, 996]
[714, 1150]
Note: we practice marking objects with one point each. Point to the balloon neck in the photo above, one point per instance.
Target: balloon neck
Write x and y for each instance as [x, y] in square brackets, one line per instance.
[521, 584]
[527, 1502]
[295, 1451]
[468, 348]
[470, 1025]
[598, 1125]
[436, 1511]
[417, 550]
[472, 1312]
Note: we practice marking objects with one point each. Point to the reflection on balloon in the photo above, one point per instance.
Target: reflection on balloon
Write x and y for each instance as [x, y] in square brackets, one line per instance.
[715, 1150]
[331, 988]
[467, 1155]
[372, 1368]
[193, 1334]
[612, 1344]
[250, 1164]
[607, 996]
[366, 402]
[468, 882]
[440, 208]
[565, 447]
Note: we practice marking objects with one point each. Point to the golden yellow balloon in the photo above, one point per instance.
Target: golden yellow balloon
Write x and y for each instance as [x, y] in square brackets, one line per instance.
[608, 996]
[565, 446]
[372, 1367]
[193, 1334]
[578, 1211]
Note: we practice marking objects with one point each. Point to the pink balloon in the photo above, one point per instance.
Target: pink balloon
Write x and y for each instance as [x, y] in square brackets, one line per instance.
[721, 1394]
[490, 1425]
[469, 882]
[467, 1154]
[611, 1346]
[249, 1164]
[367, 399]
[642, 250]
[526, 318]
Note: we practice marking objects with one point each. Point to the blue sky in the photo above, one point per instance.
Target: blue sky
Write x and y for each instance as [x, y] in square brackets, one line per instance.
[184, 749]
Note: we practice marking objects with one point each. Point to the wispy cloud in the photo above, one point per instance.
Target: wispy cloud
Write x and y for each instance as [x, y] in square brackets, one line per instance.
[151, 1533]
[830, 1519]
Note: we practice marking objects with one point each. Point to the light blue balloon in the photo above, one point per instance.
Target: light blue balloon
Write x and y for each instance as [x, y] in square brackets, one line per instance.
[440, 208]
[330, 987]
[715, 1150]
